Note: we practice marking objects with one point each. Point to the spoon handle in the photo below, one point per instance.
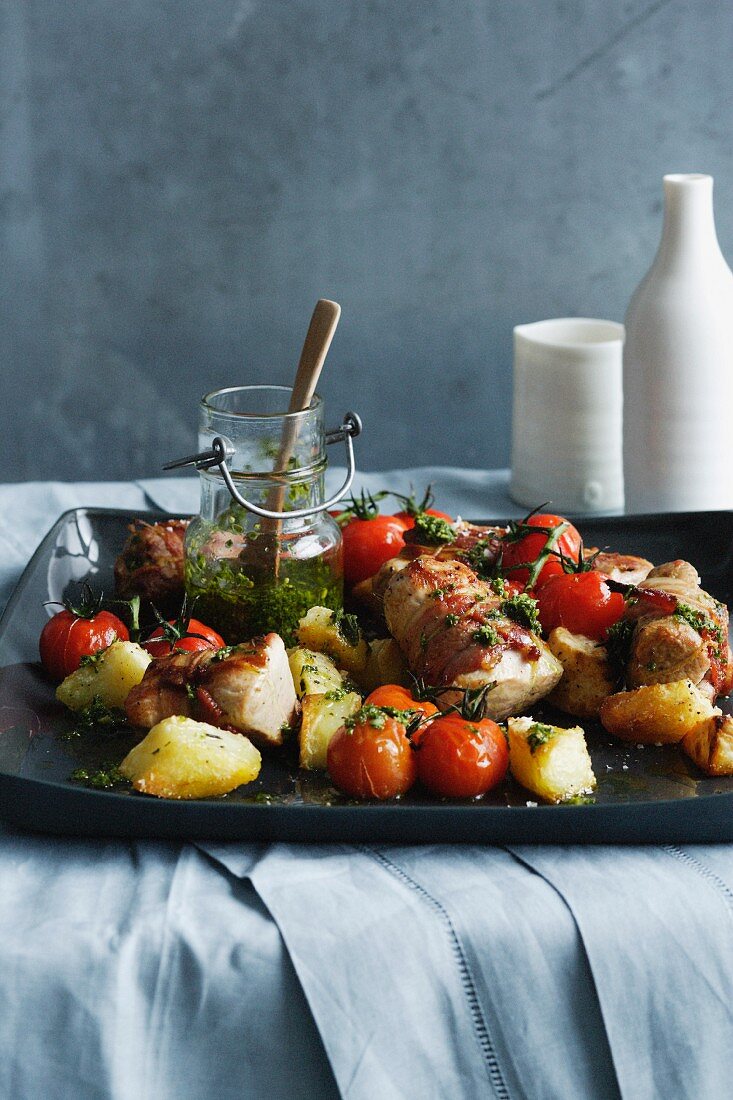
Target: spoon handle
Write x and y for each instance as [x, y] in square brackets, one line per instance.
[315, 349]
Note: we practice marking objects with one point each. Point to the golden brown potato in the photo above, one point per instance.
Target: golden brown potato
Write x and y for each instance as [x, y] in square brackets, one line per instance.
[550, 761]
[109, 677]
[313, 672]
[336, 634]
[711, 745]
[657, 713]
[322, 716]
[587, 678]
[182, 758]
[385, 665]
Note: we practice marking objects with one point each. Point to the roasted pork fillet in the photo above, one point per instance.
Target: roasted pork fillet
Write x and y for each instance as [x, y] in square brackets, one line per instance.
[454, 634]
[681, 632]
[477, 547]
[151, 564]
[248, 689]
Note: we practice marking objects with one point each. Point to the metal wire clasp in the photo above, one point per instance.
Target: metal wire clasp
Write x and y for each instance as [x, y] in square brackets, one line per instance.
[221, 451]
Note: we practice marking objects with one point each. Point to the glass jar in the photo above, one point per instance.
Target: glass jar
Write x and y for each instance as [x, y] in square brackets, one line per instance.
[264, 548]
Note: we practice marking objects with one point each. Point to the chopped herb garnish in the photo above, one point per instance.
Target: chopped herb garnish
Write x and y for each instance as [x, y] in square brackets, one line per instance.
[348, 627]
[91, 660]
[482, 558]
[450, 620]
[539, 734]
[377, 716]
[96, 718]
[498, 584]
[432, 530]
[105, 778]
[223, 653]
[486, 635]
[336, 694]
[618, 644]
[522, 609]
[698, 620]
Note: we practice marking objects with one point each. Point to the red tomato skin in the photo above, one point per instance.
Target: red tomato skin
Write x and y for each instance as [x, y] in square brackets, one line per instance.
[457, 758]
[159, 646]
[368, 544]
[581, 602]
[528, 549]
[365, 762]
[394, 695]
[67, 637]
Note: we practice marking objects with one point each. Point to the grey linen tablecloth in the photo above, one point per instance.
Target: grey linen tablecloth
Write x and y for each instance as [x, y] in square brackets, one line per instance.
[150, 969]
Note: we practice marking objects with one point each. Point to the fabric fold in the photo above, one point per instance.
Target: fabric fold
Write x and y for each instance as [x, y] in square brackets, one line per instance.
[657, 925]
[416, 964]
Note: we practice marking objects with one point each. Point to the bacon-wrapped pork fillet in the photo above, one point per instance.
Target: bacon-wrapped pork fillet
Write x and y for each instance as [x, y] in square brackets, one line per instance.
[681, 632]
[248, 689]
[473, 545]
[450, 626]
[151, 564]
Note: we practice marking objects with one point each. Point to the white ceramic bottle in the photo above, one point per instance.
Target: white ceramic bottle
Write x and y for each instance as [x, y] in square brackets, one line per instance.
[678, 364]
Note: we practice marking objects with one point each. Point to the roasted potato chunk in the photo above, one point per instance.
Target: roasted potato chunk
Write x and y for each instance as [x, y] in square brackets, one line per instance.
[313, 673]
[182, 758]
[550, 761]
[586, 679]
[711, 745]
[322, 716]
[108, 677]
[657, 713]
[385, 665]
[336, 634]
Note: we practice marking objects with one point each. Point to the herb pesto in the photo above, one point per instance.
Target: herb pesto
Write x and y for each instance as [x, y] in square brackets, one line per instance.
[524, 610]
[238, 605]
[539, 734]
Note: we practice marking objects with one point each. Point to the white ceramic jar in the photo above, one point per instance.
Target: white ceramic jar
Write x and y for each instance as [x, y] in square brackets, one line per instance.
[566, 419]
[678, 364]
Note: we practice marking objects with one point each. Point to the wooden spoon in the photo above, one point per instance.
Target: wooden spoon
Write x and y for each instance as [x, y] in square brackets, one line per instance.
[315, 349]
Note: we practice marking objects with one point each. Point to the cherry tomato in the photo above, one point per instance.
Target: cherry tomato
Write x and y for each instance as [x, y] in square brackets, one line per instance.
[374, 758]
[530, 546]
[581, 602]
[174, 637]
[458, 758]
[368, 544]
[394, 695]
[71, 635]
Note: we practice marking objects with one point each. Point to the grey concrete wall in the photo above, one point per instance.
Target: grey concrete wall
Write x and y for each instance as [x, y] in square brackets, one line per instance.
[181, 179]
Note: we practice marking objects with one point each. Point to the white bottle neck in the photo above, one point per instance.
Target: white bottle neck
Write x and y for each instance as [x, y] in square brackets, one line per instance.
[688, 233]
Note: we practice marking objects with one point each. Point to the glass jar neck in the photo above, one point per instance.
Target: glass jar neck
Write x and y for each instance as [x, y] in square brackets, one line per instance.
[285, 493]
[265, 438]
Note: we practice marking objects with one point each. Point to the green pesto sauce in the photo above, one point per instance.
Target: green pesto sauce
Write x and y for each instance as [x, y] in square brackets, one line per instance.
[240, 607]
[106, 778]
[539, 734]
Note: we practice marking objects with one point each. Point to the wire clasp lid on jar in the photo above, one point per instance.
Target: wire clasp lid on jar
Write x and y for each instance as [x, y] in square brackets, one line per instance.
[221, 451]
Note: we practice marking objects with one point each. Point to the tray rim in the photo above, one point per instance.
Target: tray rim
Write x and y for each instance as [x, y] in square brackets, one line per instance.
[485, 823]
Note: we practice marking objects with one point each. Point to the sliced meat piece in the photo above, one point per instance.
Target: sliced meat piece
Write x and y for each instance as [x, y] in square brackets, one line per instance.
[681, 631]
[151, 564]
[665, 650]
[450, 626]
[248, 689]
[677, 570]
[254, 688]
[624, 568]
[162, 690]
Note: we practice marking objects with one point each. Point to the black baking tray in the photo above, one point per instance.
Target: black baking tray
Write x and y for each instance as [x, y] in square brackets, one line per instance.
[644, 794]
